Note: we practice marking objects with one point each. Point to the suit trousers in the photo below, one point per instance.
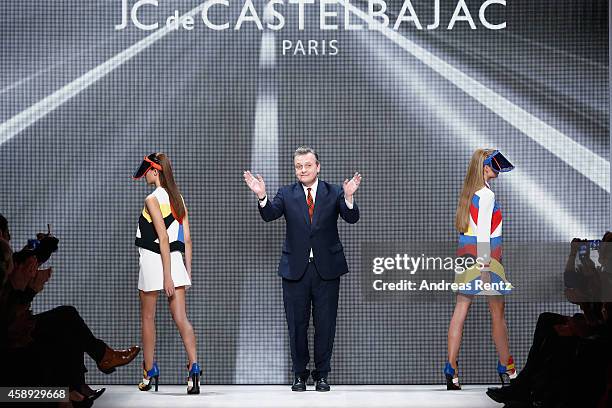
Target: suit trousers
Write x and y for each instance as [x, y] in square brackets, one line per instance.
[55, 356]
[62, 337]
[301, 296]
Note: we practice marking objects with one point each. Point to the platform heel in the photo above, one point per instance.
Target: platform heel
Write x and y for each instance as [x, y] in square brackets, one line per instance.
[149, 378]
[193, 382]
[452, 381]
[506, 372]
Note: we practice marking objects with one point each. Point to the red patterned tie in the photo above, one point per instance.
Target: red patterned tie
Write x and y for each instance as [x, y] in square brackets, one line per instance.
[310, 204]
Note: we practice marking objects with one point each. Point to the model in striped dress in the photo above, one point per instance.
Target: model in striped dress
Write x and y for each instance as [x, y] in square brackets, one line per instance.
[483, 241]
[479, 222]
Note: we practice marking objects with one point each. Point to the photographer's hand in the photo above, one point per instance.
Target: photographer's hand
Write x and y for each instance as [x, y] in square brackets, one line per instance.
[37, 284]
[587, 267]
[48, 245]
[574, 245]
[23, 273]
[574, 295]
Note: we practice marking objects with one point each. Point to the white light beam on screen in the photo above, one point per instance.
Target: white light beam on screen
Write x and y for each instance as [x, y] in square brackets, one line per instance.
[24, 119]
[28, 78]
[526, 189]
[581, 159]
[264, 160]
[264, 155]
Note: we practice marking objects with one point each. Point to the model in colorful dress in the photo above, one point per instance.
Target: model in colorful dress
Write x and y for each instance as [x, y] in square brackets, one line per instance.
[479, 222]
[162, 236]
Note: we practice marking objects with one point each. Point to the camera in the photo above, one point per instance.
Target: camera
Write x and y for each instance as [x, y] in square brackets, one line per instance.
[42, 247]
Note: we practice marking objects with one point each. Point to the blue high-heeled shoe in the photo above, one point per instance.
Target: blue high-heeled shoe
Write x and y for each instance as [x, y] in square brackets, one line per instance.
[193, 381]
[149, 376]
[506, 372]
[452, 382]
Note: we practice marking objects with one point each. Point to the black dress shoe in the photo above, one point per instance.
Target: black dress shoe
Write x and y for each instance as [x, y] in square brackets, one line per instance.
[299, 384]
[90, 393]
[89, 399]
[96, 394]
[508, 394]
[322, 385]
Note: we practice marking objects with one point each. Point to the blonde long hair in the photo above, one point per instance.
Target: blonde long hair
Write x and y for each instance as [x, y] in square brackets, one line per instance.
[166, 179]
[473, 181]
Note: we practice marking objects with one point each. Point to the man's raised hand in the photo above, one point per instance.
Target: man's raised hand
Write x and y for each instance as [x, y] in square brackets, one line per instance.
[350, 186]
[256, 184]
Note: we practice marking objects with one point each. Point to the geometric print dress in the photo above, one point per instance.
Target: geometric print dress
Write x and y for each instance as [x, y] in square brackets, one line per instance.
[151, 272]
[483, 240]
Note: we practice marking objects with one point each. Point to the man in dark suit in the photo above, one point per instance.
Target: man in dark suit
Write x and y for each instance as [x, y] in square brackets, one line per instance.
[312, 259]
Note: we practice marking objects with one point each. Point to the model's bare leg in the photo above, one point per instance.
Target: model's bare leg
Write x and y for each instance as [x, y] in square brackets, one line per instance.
[455, 329]
[179, 314]
[499, 329]
[148, 301]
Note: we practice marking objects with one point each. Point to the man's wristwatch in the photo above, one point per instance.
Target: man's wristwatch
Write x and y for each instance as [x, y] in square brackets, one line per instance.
[261, 199]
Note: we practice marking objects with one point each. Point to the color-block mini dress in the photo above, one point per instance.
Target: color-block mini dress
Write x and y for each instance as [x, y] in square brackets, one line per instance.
[483, 240]
[151, 274]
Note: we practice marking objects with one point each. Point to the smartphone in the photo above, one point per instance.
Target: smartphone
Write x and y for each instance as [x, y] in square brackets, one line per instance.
[46, 264]
[594, 251]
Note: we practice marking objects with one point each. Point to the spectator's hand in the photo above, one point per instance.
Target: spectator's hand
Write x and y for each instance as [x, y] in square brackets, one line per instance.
[169, 287]
[38, 283]
[575, 296]
[575, 244]
[23, 273]
[587, 267]
[48, 245]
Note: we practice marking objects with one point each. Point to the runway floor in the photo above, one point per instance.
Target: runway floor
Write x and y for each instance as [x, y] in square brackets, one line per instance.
[354, 396]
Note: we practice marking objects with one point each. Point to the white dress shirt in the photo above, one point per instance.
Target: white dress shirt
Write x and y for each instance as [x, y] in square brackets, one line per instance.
[313, 193]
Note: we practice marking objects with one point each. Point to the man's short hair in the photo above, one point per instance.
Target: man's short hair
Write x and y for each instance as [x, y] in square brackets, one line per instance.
[302, 150]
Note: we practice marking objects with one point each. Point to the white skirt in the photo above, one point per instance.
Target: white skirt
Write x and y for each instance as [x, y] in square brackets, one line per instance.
[151, 274]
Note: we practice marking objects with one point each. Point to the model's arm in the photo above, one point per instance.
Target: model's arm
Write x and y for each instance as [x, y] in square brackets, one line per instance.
[188, 246]
[483, 226]
[164, 242]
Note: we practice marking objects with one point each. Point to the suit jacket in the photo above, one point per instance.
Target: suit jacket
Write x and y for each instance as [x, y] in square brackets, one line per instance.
[301, 235]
